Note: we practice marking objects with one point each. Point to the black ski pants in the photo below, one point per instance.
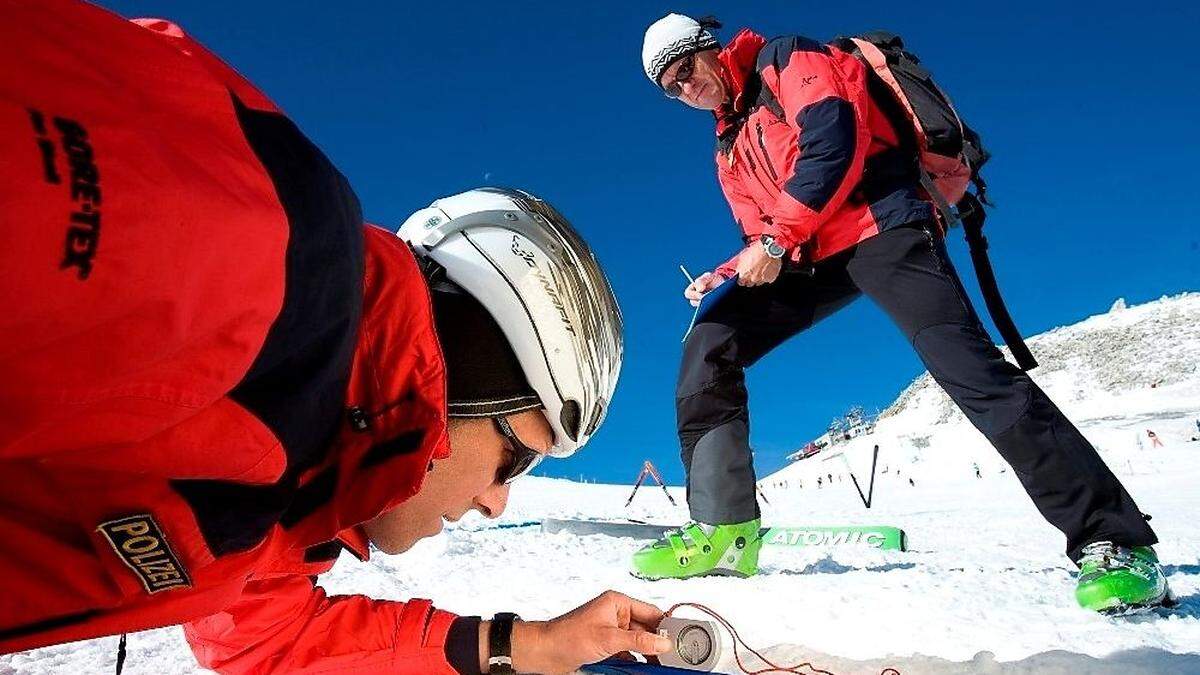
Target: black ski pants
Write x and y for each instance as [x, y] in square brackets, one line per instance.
[908, 274]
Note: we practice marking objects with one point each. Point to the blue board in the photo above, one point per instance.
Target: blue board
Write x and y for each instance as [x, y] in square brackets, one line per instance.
[622, 667]
[713, 297]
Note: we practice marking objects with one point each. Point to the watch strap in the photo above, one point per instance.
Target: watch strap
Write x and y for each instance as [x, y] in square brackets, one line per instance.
[500, 643]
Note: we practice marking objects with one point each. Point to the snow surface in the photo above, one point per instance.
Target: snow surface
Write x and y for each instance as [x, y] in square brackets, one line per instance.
[985, 587]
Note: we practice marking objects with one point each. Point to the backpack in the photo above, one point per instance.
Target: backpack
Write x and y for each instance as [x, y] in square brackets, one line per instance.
[950, 152]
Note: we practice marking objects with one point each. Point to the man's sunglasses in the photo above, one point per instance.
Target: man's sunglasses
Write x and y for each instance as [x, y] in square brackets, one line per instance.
[524, 458]
[685, 71]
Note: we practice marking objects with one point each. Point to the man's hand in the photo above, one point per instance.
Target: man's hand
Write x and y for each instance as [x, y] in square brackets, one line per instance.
[610, 624]
[703, 285]
[756, 268]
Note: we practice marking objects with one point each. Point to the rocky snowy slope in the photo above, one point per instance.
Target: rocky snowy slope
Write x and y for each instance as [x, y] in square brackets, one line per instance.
[1120, 353]
[984, 589]
[1117, 375]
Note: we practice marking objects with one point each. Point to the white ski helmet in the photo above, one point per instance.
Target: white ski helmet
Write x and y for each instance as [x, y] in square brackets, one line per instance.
[538, 279]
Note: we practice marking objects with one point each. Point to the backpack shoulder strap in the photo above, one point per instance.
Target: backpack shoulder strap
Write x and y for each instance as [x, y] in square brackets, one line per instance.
[971, 215]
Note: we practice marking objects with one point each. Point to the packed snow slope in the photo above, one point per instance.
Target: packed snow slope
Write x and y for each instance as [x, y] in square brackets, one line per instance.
[985, 587]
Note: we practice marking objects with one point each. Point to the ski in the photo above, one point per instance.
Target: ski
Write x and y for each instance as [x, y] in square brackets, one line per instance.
[631, 529]
[884, 537]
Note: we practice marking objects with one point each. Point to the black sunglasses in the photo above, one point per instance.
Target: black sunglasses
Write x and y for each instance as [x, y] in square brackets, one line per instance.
[524, 458]
[685, 71]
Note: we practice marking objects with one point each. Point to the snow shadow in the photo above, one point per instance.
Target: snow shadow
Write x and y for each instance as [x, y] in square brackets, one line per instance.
[1186, 607]
[1171, 570]
[831, 566]
[1143, 660]
[1189, 606]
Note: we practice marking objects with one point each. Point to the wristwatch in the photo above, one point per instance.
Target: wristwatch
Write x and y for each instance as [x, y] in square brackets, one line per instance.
[773, 249]
[500, 643]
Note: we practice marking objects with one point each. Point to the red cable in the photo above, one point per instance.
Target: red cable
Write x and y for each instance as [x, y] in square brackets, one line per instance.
[737, 639]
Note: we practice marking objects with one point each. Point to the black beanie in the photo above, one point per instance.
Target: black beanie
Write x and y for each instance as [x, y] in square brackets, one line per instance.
[484, 378]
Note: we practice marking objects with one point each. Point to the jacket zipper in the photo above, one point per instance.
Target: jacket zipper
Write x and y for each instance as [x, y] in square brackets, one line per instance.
[750, 160]
[766, 158]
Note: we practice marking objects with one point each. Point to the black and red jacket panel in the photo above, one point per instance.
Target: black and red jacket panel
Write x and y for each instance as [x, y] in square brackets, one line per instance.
[211, 371]
[804, 153]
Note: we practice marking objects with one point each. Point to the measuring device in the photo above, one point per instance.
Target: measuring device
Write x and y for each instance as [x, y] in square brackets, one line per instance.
[695, 644]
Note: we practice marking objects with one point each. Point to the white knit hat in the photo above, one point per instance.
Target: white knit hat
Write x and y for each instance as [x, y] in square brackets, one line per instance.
[671, 38]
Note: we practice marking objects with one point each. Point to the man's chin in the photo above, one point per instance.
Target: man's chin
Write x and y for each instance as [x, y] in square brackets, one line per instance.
[394, 546]
[438, 526]
[706, 103]
[398, 545]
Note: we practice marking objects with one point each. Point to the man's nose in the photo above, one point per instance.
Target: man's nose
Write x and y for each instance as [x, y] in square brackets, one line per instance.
[492, 501]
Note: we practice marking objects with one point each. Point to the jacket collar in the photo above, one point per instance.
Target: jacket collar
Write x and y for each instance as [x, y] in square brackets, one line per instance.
[738, 60]
[396, 400]
[356, 541]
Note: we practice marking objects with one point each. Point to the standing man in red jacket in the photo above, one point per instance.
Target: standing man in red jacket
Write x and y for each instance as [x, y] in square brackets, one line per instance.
[214, 377]
[828, 195]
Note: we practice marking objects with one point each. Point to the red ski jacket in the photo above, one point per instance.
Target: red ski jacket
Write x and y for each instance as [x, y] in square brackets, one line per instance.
[803, 153]
[211, 371]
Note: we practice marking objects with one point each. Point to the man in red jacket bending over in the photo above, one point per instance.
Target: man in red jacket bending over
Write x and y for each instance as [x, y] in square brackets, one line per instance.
[828, 196]
[214, 377]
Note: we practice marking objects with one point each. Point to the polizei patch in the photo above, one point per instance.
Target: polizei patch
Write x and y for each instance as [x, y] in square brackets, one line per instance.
[141, 545]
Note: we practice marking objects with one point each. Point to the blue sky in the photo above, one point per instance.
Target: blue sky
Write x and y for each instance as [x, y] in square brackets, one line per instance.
[1090, 113]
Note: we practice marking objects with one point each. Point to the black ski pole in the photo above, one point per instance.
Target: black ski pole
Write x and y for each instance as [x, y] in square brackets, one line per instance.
[638, 484]
[871, 489]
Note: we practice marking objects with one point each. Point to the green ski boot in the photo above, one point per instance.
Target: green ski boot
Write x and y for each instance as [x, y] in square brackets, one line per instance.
[1116, 579]
[701, 550]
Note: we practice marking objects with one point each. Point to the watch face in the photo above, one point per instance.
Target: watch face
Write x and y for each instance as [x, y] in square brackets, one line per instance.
[772, 248]
[694, 645]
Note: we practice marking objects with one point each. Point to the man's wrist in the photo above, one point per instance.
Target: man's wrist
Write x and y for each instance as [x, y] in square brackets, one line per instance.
[526, 644]
[771, 245]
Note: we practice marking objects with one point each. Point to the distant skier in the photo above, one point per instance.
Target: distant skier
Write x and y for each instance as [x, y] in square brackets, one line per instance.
[1154, 442]
[910, 482]
[977, 473]
[826, 188]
